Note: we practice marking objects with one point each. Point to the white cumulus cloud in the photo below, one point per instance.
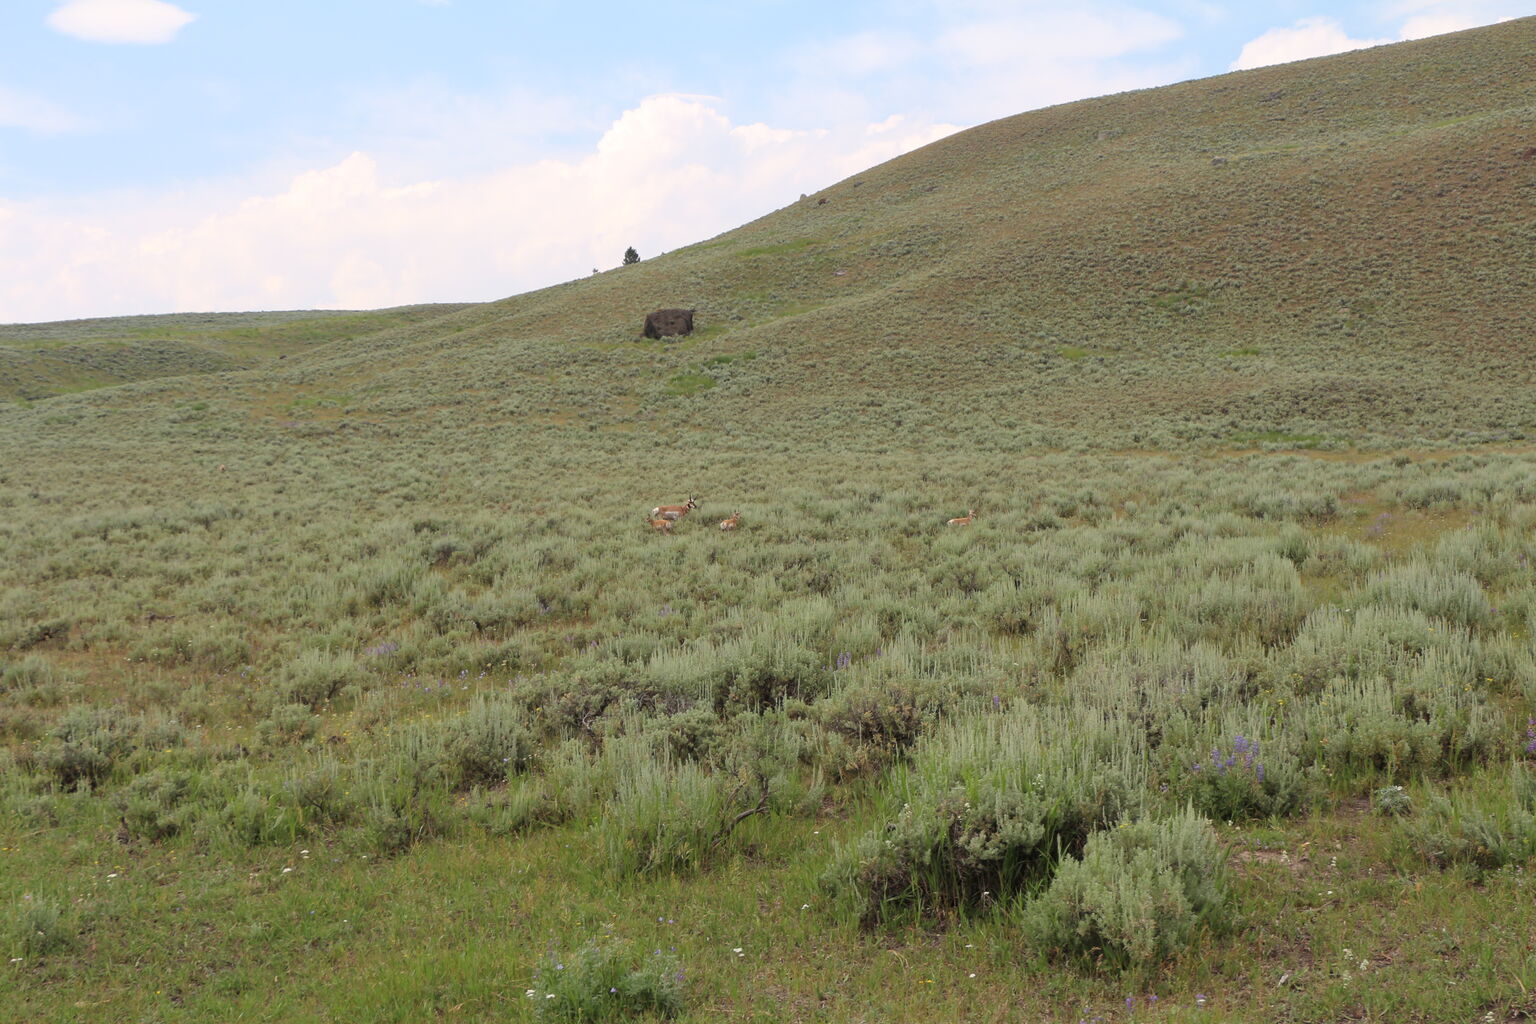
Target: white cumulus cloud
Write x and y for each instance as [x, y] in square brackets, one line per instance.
[1322, 36]
[671, 171]
[1309, 37]
[120, 21]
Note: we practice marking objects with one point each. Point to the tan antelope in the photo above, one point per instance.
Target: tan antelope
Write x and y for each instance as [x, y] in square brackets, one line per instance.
[731, 523]
[660, 525]
[674, 512]
[965, 520]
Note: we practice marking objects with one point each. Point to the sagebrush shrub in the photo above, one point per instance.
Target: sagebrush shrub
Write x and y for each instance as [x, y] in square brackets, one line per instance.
[89, 743]
[157, 804]
[287, 724]
[315, 677]
[1453, 596]
[986, 807]
[1139, 894]
[488, 743]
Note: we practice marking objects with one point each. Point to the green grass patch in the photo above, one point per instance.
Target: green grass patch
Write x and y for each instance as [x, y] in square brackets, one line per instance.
[798, 245]
[690, 382]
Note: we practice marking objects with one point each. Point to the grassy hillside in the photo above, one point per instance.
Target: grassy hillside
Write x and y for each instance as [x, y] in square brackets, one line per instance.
[357, 686]
[43, 360]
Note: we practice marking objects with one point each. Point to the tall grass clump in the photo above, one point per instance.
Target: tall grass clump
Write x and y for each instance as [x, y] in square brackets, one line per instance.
[1480, 828]
[671, 816]
[601, 983]
[1139, 894]
[37, 926]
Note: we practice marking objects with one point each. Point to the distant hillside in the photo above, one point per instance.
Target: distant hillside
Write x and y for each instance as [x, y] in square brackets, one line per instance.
[1335, 249]
[46, 359]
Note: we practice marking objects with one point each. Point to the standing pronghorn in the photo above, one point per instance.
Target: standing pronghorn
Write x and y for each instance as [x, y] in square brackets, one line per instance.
[660, 525]
[731, 523]
[965, 520]
[674, 512]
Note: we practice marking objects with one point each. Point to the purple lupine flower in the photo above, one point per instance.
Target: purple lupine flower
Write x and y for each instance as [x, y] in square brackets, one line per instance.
[1258, 771]
[1239, 744]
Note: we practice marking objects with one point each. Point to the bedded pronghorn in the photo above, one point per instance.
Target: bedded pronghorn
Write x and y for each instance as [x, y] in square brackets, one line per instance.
[731, 523]
[660, 525]
[965, 520]
[674, 512]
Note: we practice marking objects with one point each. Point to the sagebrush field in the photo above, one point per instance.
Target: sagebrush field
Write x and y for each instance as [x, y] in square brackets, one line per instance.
[355, 684]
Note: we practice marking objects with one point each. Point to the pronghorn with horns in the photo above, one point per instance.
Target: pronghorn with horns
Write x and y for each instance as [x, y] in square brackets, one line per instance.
[965, 520]
[672, 513]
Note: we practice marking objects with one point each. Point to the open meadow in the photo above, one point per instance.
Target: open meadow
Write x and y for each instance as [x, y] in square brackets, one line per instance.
[356, 685]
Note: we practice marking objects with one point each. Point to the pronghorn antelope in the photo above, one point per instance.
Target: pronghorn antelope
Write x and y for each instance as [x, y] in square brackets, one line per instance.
[674, 512]
[965, 520]
[660, 525]
[731, 523]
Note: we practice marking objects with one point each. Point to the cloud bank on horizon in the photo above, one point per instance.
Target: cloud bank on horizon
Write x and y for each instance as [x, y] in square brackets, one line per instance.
[161, 159]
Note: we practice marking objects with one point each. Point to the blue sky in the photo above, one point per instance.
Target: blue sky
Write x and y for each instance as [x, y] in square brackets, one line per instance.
[221, 155]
